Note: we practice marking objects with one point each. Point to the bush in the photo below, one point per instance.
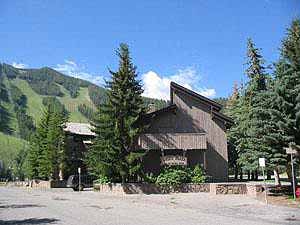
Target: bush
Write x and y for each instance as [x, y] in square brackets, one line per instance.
[102, 180]
[198, 176]
[173, 177]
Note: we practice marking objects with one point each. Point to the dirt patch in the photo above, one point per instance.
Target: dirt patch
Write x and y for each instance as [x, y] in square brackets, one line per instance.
[282, 200]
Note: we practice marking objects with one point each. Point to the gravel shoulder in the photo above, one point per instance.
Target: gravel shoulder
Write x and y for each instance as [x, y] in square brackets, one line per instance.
[63, 206]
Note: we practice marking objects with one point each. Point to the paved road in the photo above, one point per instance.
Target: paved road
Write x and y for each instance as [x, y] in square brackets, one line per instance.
[63, 206]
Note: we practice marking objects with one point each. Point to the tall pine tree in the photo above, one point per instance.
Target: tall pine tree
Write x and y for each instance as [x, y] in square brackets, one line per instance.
[117, 125]
[46, 153]
[287, 88]
[250, 144]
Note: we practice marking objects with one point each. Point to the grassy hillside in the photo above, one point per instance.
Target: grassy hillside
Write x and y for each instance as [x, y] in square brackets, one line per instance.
[34, 100]
[72, 104]
[10, 146]
[33, 86]
[13, 123]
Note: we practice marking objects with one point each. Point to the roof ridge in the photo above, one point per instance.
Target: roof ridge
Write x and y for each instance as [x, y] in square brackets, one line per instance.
[217, 105]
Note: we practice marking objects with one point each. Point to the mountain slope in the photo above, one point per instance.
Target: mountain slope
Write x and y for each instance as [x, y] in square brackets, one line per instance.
[25, 91]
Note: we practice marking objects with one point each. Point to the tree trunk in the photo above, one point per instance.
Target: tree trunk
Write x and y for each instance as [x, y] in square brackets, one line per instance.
[248, 173]
[277, 177]
[241, 175]
[236, 172]
[256, 175]
[252, 176]
[269, 176]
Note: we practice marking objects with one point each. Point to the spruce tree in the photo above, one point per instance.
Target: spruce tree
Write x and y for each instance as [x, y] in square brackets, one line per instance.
[46, 151]
[287, 88]
[250, 143]
[232, 110]
[118, 124]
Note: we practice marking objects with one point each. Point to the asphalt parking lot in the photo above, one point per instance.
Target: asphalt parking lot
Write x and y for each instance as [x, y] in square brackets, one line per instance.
[63, 206]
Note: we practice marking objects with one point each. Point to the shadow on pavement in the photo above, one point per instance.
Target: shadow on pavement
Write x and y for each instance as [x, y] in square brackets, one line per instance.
[19, 206]
[29, 221]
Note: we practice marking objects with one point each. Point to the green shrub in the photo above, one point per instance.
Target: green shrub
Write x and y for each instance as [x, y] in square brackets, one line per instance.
[198, 176]
[150, 179]
[173, 177]
[102, 180]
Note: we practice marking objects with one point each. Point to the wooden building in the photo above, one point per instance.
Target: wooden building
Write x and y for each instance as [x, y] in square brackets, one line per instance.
[78, 138]
[190, 131]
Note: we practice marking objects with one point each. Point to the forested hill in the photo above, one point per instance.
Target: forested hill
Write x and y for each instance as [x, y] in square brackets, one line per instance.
[25, 92]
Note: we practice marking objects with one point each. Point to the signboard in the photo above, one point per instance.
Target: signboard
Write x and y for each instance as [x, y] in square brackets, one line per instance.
[291, 151]
[262, 162]
[172, 160]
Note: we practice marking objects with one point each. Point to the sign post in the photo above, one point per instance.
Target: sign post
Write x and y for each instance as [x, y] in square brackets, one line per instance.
[293, 150]
[262, 164]
[79, 178]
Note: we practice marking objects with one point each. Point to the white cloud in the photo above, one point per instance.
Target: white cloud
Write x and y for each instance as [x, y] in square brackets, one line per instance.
[72, 69]
[157, 86]
[19, 65]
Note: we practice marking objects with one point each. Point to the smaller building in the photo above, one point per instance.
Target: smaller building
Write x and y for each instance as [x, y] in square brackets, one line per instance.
[78, 137]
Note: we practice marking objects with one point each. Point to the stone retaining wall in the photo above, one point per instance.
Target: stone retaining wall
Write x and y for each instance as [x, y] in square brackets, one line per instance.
[214, 188]
[42, 184]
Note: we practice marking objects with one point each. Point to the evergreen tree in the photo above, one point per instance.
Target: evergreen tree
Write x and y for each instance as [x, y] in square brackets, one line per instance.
[46, 151]
[251, 122]
[55, 141]
[232, 110]
[117, 125]
[287, 88]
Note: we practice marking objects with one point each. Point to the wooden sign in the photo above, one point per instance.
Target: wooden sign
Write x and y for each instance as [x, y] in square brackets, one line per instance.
[172, 160]
[291, 151]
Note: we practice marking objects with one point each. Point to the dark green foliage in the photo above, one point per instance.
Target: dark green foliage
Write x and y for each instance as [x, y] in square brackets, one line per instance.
[112, 154]
[46, 153]
[54, 102]
[8, 71]
[19, 169]
[266, 110]
[45, 87]
[38, 78]
[25, 122]
[5, 116]
[198, 176]
[173, 177]
[97, 95]
[246, 135]
[154, 104]
[87, 111]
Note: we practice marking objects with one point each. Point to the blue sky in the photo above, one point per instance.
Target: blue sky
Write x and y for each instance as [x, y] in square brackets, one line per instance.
[199, 44]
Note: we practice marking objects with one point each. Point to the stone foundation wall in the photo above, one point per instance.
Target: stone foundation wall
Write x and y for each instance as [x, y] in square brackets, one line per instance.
[42, 184]
[252, 190]
[228, 188]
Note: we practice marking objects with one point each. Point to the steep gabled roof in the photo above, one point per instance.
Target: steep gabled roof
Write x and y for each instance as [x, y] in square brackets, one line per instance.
[215, 107]
[180, 88]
